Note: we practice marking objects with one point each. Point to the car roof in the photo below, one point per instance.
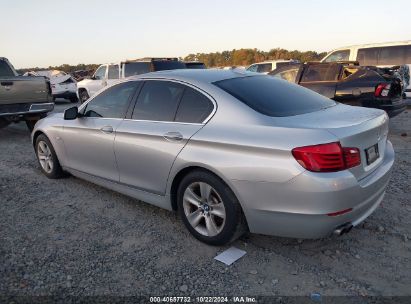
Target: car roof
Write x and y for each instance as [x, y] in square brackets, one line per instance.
[193, 75]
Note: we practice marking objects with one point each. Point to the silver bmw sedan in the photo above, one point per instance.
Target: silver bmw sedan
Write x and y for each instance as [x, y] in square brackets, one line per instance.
[229, 151]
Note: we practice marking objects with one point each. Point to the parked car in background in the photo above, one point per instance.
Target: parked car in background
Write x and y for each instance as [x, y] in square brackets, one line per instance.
[384, 55]
[22, 98]
[267, 66]
[107, 74]
[63, 85]
[229, 151]
[348, 83]
[195, 65]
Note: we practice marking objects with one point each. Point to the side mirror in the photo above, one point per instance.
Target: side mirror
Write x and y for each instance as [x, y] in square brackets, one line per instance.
[71, 113]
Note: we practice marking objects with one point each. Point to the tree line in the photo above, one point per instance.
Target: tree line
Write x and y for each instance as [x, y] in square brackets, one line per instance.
[241, 57]
[245, 57]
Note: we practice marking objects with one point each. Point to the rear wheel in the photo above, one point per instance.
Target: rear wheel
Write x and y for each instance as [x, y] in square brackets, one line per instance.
[209, 209]
[47, 158]
[4, 123]
[83, 96]
[30, 124]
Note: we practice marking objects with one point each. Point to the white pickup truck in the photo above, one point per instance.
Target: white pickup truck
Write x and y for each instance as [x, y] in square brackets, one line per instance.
[107, 74]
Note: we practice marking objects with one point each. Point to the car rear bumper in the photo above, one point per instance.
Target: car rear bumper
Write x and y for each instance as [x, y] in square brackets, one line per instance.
[300, 207]
[394, 109]
[25, 109]
[65, 95]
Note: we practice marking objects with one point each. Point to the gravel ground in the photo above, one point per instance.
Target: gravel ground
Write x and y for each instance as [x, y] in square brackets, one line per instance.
[70, 237]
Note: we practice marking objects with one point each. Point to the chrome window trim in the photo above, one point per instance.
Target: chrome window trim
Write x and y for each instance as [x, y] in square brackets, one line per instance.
[205, 121]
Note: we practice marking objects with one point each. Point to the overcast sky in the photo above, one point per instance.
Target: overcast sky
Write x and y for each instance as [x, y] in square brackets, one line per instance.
[49, 32]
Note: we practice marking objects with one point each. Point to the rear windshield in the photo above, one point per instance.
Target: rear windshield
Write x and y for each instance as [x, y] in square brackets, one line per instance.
[195, 65]
[274, 97]
[5, 70]
[136, 68]
[168, 65]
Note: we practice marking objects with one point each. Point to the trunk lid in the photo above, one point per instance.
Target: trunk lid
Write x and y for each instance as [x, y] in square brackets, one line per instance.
[355, 127]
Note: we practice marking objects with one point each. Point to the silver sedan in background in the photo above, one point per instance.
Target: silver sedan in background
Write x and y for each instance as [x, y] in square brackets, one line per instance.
[230, 151]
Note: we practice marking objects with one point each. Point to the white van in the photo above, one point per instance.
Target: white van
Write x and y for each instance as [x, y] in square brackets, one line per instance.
[377, 54]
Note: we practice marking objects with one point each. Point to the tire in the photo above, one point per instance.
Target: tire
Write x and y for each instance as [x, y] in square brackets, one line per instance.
[30, 124]
[74, 100]
[47, 158]
[217, 220]
[83, 96]
[4, 123]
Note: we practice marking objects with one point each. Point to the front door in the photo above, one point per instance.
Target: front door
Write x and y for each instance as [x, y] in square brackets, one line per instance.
[89, 140]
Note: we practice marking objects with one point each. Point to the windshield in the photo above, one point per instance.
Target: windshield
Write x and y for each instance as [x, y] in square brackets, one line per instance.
[5, 70]
[274, 97]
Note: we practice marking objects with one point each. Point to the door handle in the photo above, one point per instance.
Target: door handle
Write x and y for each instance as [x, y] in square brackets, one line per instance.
[7, 83]
[173, 136]
[107, 129]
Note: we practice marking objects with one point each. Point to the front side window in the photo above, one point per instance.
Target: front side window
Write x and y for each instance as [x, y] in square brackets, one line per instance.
[113, 102]
[194, 107]
[100, 73]
[272, 97]
[158, 101]
[113, 72]
[368, 56]
[5, 70]
[321, 72]
[136, 68]
[343, 55]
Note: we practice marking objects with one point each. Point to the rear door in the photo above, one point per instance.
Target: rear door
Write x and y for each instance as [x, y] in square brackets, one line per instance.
[166, 115]
[321, 78]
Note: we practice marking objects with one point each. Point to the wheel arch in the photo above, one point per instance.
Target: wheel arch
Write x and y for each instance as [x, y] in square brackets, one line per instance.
[182, 172]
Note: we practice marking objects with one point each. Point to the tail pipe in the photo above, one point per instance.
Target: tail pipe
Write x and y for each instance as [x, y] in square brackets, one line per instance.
[344, 228]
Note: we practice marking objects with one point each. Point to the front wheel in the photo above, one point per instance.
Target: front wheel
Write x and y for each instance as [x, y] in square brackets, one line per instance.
[83, 96]
[47, 158]
[209, 209]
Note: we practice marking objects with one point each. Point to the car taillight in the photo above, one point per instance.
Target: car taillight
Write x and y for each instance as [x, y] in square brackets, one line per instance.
[382, 90]
[327, 157]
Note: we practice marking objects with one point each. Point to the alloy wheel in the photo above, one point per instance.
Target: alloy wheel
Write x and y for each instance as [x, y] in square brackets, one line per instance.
[204, 209]
[45, 156]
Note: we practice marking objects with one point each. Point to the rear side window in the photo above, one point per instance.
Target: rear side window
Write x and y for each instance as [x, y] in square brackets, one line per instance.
[158, 101]
[113, 102]
[368, 56]
[343, 55]
[136, 68]
[252, 68]
[194, 107]
[113, 72]
[393, 55]
[5, 70]
[273, 97]
[321, 72]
